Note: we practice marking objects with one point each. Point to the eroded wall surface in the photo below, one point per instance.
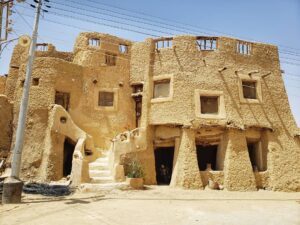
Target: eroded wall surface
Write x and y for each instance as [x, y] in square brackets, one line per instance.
[6, 118]
[99, 64]
[193, 73]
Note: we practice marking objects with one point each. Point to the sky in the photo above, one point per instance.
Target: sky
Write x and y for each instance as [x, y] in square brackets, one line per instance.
[270, 21]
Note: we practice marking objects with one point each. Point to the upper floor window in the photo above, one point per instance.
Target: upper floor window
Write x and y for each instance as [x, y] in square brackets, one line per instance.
[42, 47]
[206, 43]
[161, 88]
[94, 42]
[249, 89]
[209, 104]
[110, 59]
[106, 99]
[244, 48]
[164, 43]
[123, 48]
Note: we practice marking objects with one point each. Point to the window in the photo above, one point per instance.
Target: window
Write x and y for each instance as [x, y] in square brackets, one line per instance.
[244, 48]
[106, 99]
[161, 88]
[110, 59]
[249, 89]
[94, 42]
[164, 43]
[206, 43]
[35, 81]
[209, 104]
[42, 47]
[63, 99]
[123, 49]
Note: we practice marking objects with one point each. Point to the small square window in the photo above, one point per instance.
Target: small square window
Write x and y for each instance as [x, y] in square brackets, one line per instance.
[110, 59]
[94, 42]
[161, 88]
[35, 81]
[209, 104]
[106, 99]
[123, 49]
[249, 89]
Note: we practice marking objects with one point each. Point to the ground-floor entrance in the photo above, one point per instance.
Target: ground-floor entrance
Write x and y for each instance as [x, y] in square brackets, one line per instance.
[164, 164]
[207, 156]
[69, 147]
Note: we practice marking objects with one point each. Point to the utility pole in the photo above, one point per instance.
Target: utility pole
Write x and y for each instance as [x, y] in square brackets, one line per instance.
[12, 187]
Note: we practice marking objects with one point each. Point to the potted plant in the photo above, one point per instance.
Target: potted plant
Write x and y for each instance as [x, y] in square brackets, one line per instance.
[135, 174]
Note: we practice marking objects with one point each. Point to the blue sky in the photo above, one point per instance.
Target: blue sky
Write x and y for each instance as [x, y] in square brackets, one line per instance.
[270, 21]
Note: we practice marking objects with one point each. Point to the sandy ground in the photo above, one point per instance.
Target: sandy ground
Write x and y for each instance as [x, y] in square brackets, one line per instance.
[155, 206]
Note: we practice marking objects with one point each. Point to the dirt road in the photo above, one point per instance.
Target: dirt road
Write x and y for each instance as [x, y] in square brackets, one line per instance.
[157, 206]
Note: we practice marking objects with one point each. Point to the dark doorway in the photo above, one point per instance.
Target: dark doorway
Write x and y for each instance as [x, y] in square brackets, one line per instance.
[207, 155]
[63, 99]
[164, 164]
[137, 96]
[69, 147]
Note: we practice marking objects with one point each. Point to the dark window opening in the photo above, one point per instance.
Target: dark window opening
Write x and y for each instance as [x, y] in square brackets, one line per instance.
[138, 88]
[88, 152]
[123, 48]
[69, 147]
[22, 83]
[209, 104]
[35, 81]
[249, 89]
[207, 157]
[110, 59]
[161, 88]
[94, 42]
[63, 99]
[137, 96]
[106, 98]
[138, 111]
[206, 43]
[164, 164]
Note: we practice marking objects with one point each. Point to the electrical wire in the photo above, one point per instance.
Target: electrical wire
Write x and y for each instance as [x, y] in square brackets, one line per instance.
[162, 21]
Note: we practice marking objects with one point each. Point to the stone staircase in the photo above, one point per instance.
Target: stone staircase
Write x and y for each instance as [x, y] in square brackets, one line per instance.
[101, 178]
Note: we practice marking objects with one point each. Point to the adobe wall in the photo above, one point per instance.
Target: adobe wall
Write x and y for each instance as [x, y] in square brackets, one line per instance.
[103, 123]
[82, 79]
[190, 69]
[2, 84]
[5, 126]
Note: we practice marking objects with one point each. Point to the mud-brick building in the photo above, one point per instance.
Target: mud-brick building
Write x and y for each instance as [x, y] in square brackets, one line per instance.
[200, 108]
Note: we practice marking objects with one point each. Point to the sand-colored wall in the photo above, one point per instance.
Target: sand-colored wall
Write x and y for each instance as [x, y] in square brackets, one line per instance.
[82, 78]
[5, 126]
[2, 84]
[192, 71]
[83, 73]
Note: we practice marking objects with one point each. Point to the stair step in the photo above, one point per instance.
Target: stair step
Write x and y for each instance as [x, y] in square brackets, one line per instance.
[95, 173]
[102, 180]
[98, 165]
[88, 187]
[102, 159]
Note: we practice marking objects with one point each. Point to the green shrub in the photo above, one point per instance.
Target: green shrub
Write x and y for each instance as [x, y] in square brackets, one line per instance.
[135, 169]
